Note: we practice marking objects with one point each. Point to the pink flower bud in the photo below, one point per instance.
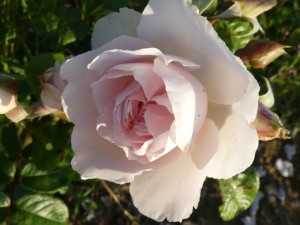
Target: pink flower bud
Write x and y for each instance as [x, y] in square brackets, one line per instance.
[52, 88]
[8, 99]
[260, 53]
[268, 125]
[7, 93]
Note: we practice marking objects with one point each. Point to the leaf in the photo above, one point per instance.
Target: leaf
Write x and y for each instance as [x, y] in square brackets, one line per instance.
[4, 200]
[67, 37]
[294, 37]
[40, 209]
[7, 170]
[40, 153]
[238, 194]
[37, 66]
[10, 141]
[4, 206]
[42, 181]
[232, 33]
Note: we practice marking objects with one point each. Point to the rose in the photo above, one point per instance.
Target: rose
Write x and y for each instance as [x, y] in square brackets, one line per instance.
[160, 102]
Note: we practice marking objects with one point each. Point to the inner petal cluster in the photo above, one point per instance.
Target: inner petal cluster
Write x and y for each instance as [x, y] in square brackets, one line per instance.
[139, 116]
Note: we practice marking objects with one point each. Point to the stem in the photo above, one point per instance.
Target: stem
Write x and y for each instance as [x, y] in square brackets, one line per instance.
[117, 201]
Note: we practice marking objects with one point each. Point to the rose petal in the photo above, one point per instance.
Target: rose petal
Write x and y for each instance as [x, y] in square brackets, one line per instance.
[238, 142]
[114, 25]
[105, 92]
[197, 41]
[238, 138]
[151, 83]
[170, 192]
[7, 102]
[164, 101]
[248, 105]
[158, 119]
[98, 158]
[189, 105]
[17, 114]
[206, 144]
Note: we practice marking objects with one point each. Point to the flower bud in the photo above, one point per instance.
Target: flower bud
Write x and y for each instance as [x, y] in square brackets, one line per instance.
[268, 125]
[247, 8]
[52, 88]
[260, 53]
[8, 99]
[253, 8]
[7, 93]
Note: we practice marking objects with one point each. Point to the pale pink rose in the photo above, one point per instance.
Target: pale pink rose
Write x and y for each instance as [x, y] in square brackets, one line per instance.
[52, 88]
[162, 103]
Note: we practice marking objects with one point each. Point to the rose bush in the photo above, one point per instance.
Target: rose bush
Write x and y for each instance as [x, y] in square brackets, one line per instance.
[162, 103]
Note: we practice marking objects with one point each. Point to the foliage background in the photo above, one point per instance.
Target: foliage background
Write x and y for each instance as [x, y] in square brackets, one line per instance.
[35, 154]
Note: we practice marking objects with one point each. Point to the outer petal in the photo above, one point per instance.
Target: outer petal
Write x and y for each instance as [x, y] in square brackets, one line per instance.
[17, 114]
[98, 158]
[114, 25]
[172, 192]
[248, 105]
[174, 27]
[7, 102]
[77, 96]
[238, 140]
[189, 105]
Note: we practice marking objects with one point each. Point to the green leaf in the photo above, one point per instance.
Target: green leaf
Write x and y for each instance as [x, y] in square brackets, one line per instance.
[233, 33]
[4, 206]
[42, 181]
[67, 37]
[7, 170]
[37, 66]
[4, 200]
[294, 37]
[238, 194]
[10, 141]
[40, 209]
[40, 153]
